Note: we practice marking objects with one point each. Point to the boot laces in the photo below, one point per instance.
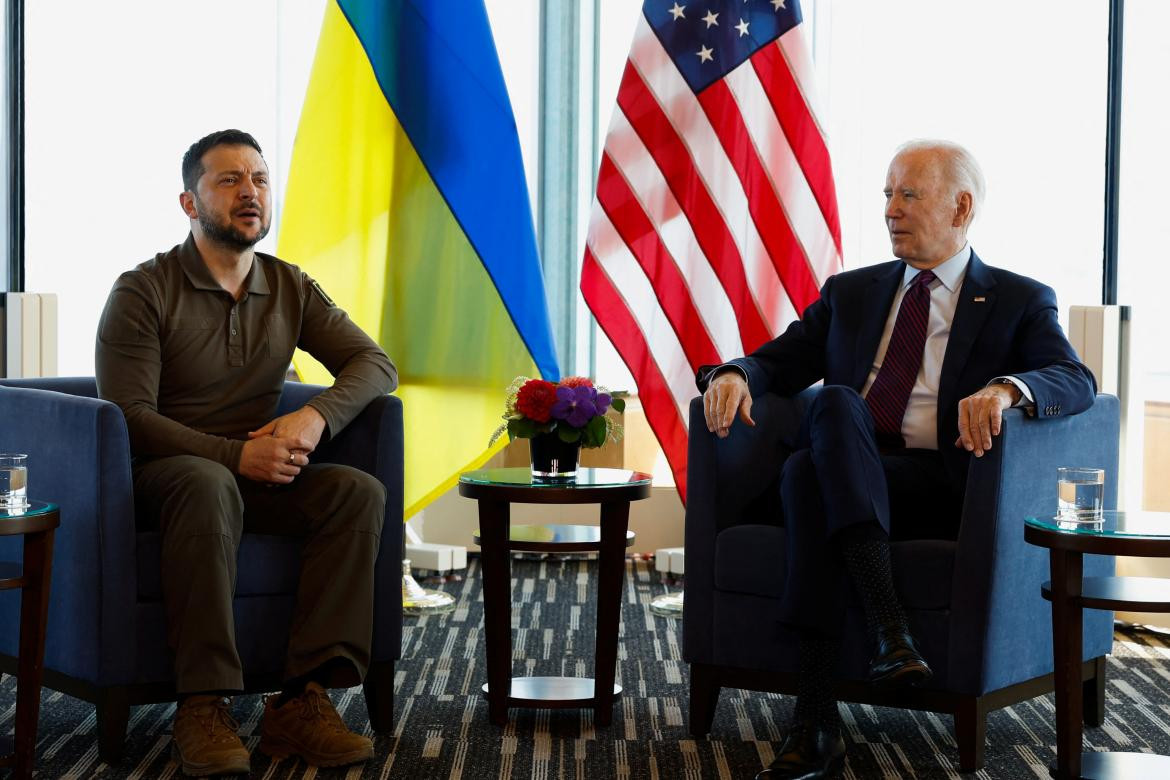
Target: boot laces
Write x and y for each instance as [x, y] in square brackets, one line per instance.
[214, 715]
[315, 705]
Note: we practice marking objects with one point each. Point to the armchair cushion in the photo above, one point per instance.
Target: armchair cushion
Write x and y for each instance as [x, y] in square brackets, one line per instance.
[746, 558]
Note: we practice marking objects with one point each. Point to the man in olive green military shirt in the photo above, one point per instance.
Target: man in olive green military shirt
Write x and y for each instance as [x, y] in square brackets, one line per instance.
[194, 346]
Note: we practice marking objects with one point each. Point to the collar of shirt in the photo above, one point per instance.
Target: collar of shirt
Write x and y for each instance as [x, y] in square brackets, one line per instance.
[950, 272]
[200, 277]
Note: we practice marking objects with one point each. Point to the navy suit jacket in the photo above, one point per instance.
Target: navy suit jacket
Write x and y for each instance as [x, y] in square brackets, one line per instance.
[1004, 324]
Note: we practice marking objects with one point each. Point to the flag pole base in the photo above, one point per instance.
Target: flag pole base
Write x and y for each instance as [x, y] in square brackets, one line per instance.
[417, 600]
[669, 605]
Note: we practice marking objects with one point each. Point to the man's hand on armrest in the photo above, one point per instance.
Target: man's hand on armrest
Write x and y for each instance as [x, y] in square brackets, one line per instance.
[981, 416]
[727, 394]
[303, 428]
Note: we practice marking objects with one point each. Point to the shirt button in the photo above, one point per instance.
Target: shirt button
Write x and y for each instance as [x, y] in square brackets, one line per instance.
[233, 331]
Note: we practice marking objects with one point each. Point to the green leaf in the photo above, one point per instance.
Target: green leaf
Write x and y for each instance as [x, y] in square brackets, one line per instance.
[594, 433]
[618, 404]
[568, 434]
[522, 428]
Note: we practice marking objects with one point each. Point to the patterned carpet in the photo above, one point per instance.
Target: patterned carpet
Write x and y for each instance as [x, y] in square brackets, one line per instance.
[442, 729]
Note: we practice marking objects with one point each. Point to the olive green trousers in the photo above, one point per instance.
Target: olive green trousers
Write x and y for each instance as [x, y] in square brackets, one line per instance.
[202, 509]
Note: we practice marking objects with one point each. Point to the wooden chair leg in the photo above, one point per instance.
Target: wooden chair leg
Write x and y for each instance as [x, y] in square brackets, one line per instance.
[971, 733]
[1093, 694]
[379, 691]
[704, 698]
[113, 713]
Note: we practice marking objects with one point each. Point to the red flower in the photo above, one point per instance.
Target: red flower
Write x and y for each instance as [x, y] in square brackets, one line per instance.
[535, 400]
[576, 381]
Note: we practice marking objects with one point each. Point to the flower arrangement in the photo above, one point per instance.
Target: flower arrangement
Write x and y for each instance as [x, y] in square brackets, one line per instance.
[573, 408]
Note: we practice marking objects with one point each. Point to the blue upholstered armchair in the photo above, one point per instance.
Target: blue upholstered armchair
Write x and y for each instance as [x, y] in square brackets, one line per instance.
[106, 639]
[974, 604]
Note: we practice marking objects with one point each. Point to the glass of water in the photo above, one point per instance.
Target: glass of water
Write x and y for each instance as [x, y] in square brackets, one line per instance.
[1080, 495]
[13, 481]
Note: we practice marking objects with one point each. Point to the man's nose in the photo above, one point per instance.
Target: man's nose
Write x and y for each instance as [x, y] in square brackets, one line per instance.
[892, 208]
[247, 189]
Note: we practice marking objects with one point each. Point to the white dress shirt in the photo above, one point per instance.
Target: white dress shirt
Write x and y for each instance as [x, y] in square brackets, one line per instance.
[920, 425]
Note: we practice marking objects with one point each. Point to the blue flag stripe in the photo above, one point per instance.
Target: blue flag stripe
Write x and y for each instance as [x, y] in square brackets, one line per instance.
[436, 64]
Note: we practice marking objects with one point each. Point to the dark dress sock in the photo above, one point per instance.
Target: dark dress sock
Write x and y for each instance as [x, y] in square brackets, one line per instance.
[817, 666]
[865, 548]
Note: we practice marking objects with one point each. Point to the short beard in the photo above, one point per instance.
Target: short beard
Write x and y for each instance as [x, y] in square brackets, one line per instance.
[227, 235]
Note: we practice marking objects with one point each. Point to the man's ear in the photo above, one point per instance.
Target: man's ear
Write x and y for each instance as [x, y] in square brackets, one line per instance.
[964, 210]
[187, 203]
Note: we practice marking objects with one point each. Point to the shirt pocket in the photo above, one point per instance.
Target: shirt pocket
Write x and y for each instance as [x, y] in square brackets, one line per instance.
[279, 338]
[190, 337]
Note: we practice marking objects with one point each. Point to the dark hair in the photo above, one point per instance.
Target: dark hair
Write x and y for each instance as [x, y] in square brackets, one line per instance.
[193, 159]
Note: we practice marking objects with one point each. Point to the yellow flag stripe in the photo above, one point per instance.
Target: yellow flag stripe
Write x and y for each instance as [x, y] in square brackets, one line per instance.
[364, 218]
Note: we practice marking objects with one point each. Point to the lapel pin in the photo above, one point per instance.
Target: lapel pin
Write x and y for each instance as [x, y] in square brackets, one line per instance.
[980, 299]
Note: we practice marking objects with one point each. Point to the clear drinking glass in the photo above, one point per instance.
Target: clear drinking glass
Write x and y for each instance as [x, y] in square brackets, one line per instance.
[13, 481]
[1080, 494]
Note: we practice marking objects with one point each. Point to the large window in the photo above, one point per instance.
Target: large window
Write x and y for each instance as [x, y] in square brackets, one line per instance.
[1144, 235]
[113, 98]
[1023, 88]
[141, 81]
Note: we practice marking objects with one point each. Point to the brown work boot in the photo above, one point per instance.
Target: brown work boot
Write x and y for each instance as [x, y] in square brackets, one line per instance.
[308, 726]
[205, 740]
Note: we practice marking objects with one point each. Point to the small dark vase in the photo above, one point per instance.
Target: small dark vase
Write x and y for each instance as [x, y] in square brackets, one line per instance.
[553, 459]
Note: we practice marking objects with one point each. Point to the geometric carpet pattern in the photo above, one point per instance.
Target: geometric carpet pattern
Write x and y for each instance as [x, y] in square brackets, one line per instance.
[442, 730]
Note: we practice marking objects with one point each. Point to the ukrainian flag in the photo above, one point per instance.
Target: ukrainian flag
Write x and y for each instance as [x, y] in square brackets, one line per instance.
[407, 201]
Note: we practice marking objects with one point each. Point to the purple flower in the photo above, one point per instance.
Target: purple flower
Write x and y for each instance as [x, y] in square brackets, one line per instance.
[575, 405]
[603, 401]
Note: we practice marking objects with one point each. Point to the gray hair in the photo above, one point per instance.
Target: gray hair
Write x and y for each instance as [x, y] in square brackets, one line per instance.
[959, 166]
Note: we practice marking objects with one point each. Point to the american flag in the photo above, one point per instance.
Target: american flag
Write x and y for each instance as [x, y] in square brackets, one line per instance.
[715, 221]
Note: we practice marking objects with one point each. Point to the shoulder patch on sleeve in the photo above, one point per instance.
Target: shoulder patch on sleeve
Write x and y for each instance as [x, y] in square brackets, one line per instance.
[319, 291]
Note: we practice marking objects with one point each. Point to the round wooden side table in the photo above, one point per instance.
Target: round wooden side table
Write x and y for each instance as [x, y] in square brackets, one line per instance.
[496, 490]
[36, 522]
[1141, 534]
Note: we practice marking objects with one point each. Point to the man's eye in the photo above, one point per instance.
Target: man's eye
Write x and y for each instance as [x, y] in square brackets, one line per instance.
[228, 180]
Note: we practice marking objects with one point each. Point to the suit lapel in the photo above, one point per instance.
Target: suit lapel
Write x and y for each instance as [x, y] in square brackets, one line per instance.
[875, 311]
[976, 299]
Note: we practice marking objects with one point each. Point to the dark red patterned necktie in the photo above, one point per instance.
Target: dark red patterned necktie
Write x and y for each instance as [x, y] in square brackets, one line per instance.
[890, 392]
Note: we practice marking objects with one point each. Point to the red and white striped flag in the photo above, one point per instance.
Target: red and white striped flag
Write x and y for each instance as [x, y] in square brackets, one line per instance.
[715, 222]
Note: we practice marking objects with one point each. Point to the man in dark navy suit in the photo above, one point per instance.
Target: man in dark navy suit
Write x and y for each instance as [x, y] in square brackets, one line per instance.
[919, 357]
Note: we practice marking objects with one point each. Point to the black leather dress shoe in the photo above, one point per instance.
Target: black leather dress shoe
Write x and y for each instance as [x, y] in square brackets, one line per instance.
[897, 661]
[807, 753]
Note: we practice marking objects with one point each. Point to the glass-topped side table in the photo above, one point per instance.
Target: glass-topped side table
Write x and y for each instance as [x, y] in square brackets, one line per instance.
[36, 523]
[1141, 534]
[496, 490]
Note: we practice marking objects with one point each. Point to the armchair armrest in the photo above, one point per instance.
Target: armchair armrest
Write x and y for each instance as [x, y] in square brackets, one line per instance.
[372, 443]
[725, 477]
[79, 458]
[1004, 635]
